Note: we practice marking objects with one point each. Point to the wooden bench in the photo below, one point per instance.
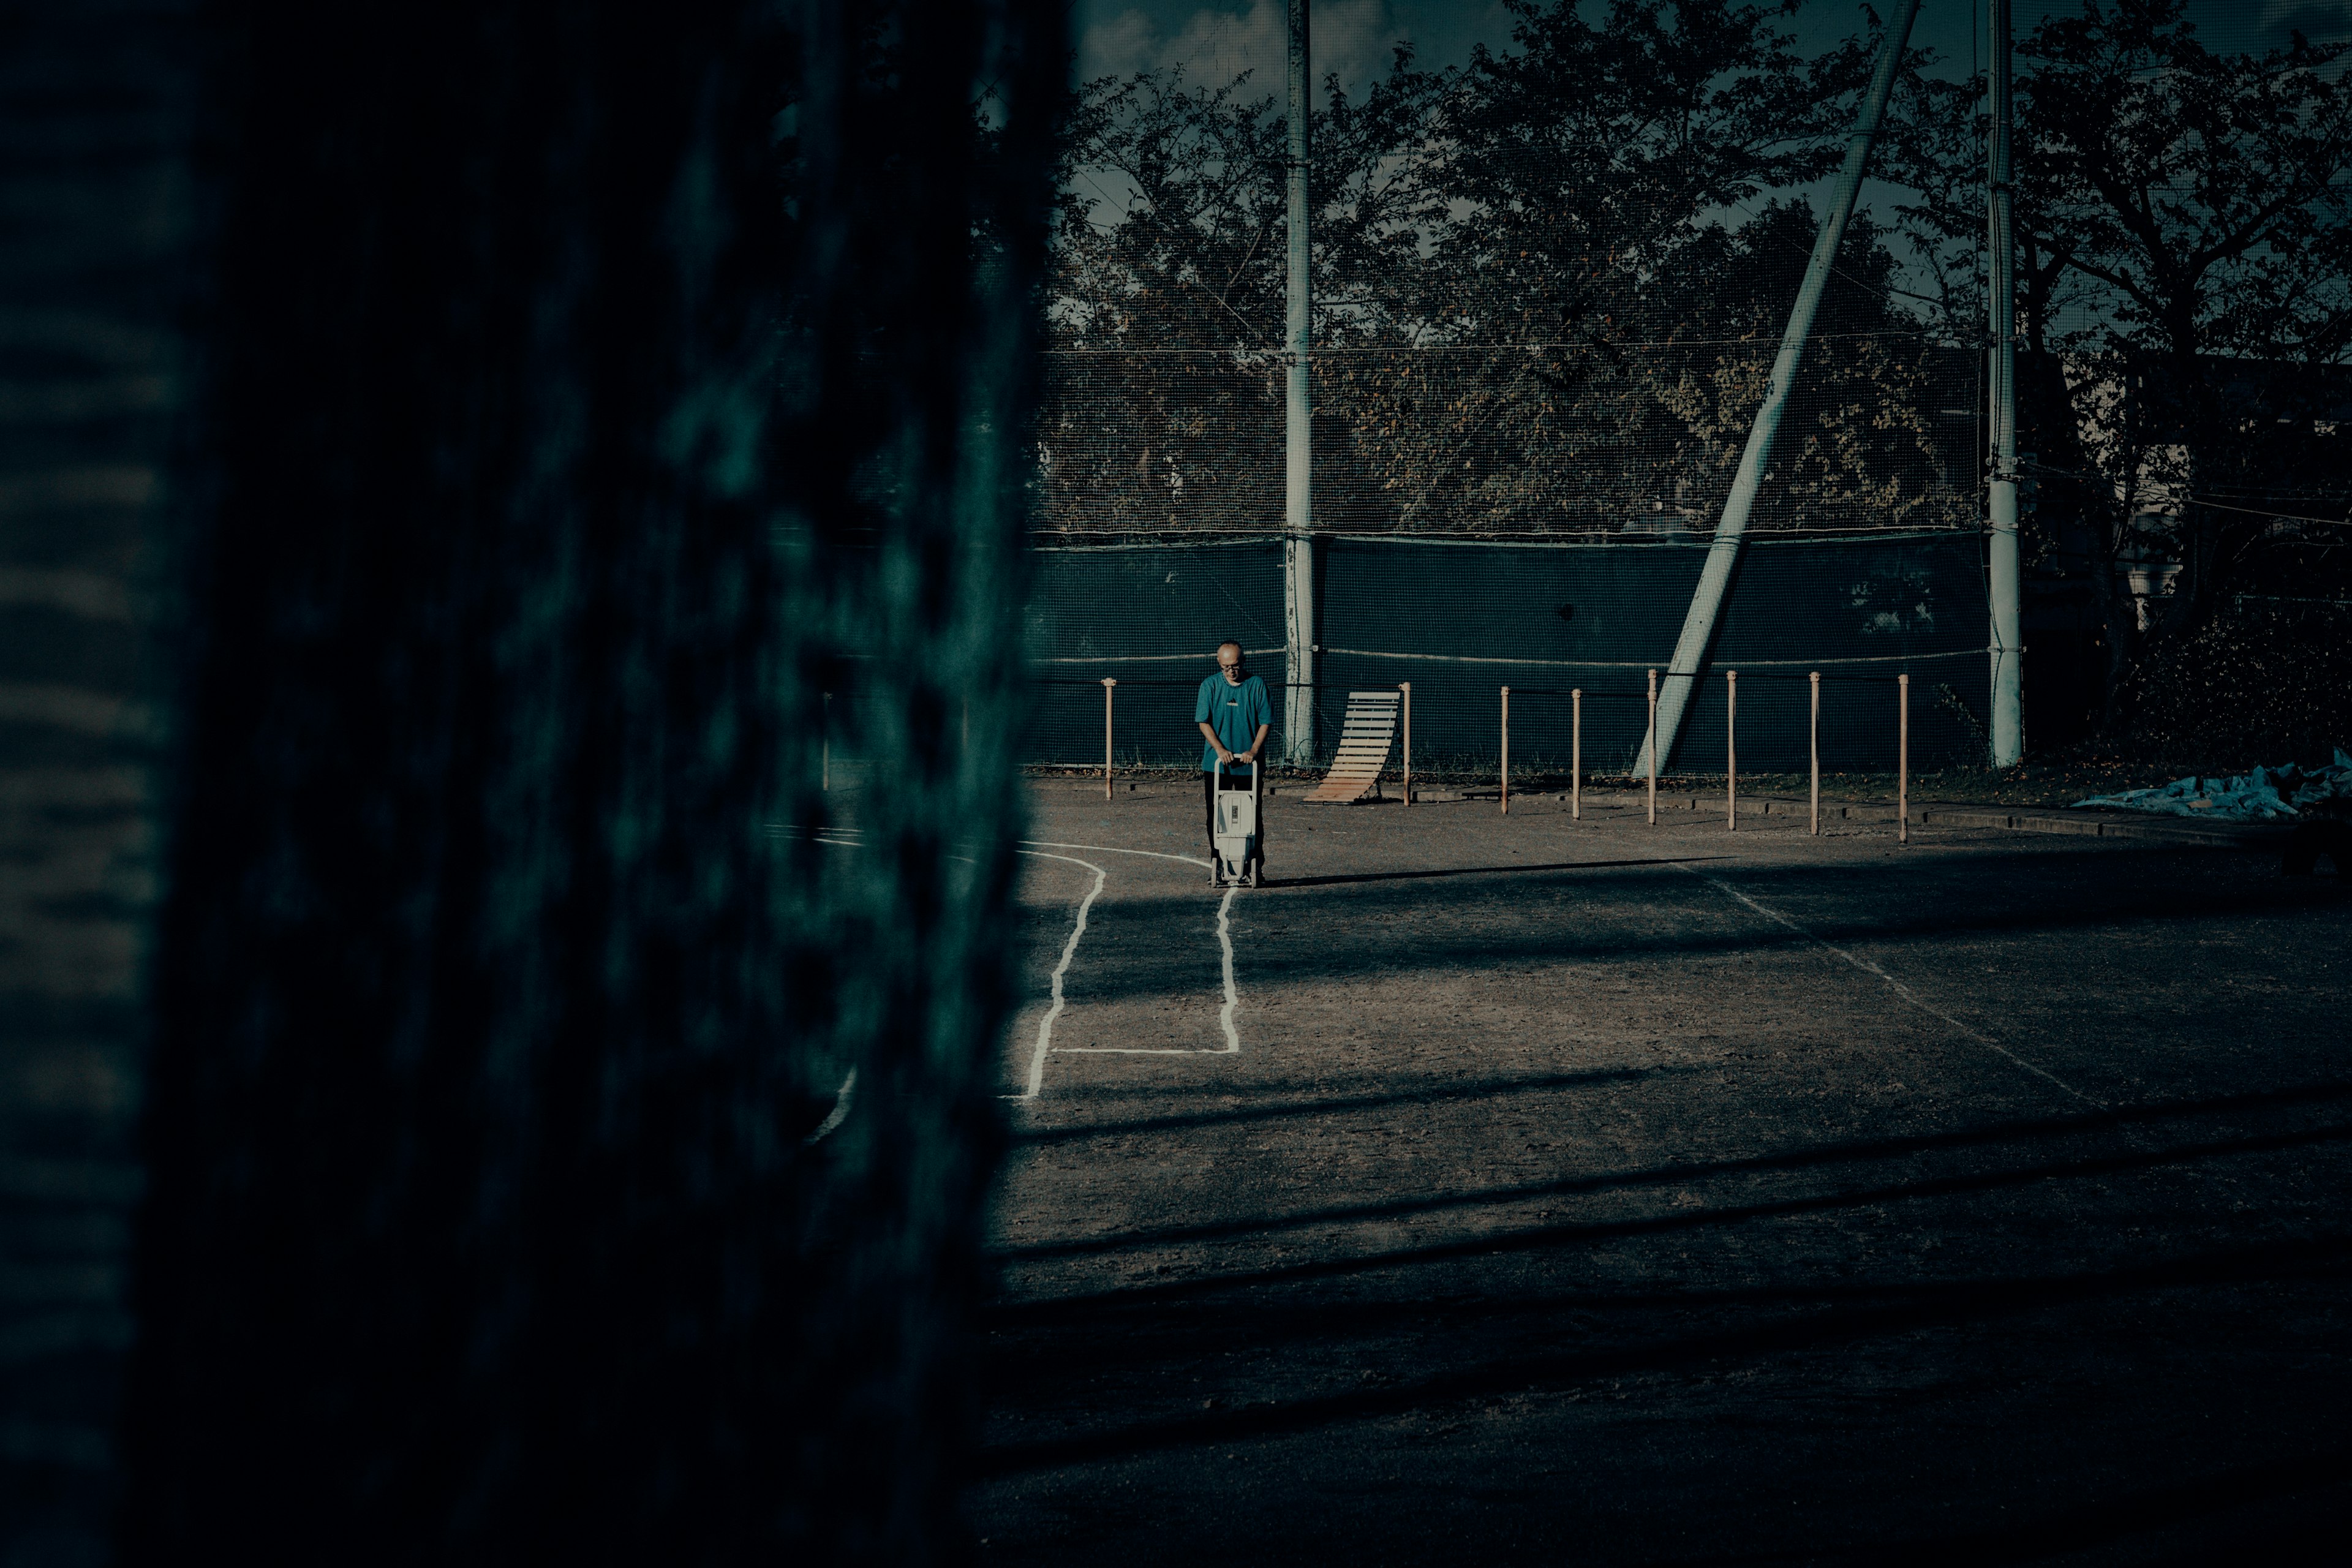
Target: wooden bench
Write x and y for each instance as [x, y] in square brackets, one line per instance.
[1364, 742]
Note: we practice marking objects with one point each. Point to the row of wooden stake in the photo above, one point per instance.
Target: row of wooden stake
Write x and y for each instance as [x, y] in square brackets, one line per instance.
[1730, 752]
[1576, 750]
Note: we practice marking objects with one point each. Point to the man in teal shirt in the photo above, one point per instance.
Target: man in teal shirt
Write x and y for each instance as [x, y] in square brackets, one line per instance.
[1233, 716]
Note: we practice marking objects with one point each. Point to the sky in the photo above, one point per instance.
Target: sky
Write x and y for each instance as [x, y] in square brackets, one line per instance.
[1356, 38]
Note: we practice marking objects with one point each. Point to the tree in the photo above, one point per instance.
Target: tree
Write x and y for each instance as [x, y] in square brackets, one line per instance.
[2183, 240]
[1532, 314]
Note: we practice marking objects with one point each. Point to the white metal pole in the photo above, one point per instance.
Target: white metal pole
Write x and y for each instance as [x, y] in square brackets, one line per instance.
[2001, 565]
[1298, 430]
[1723, 553]
[1506, 750]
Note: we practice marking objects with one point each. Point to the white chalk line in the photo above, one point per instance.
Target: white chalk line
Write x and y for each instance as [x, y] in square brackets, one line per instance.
[1225, 942]
[1867, 967]
[1112, 849]
[1224, 1014]
[1044, 1046]
[1069, 951]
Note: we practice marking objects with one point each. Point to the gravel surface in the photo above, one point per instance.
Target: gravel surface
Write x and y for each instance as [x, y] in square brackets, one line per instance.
[1594, 1191]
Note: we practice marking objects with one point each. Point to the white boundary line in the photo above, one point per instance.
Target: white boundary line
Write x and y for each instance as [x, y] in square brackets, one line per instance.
[1044, 1046]
[1069, 951]
[1224, 942]
[1110, 849]
[1224, 1014]
[1903, 991]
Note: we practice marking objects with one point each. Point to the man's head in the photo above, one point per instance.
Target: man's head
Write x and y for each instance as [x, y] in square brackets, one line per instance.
[1229, 659]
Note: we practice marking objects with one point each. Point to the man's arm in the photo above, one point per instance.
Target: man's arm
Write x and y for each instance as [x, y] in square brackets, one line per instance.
[1223, 754]
[1256, 746]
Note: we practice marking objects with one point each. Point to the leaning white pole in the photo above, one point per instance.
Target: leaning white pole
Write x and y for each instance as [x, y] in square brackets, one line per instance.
[1298, 515]
[2002, 584]
[1714, 577]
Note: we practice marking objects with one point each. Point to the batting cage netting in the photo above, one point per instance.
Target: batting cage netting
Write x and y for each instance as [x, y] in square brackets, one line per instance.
[1460, 619]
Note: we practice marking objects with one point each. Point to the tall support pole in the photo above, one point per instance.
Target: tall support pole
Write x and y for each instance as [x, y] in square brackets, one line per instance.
[2000, 378]
[1109, 686]
[1298, 511]
[1715, 578]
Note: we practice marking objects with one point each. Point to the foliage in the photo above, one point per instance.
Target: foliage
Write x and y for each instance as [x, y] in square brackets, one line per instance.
[1533, 310]
[2184, 305]
[2263, 680]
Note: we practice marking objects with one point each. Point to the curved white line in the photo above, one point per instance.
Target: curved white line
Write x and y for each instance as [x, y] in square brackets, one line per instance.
[1069, 951]
[1045, 1024]
[1112, 849]
[840, 1112]
[1224, 942]
[1040, 843]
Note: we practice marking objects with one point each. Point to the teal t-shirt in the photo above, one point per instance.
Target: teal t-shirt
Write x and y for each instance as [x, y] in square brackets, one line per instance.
[1235, 712]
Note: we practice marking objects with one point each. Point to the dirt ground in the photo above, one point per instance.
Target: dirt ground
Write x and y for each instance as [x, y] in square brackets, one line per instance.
[1594, 1191]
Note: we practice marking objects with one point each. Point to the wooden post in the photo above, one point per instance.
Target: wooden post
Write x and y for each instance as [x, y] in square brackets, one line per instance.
[1406, 687]
[1903, 759]
[1817, 754]
[825, 764]
[1576, 754]
[1107, 683]
[1731, 751]
[1506, 750]
[1652, 748]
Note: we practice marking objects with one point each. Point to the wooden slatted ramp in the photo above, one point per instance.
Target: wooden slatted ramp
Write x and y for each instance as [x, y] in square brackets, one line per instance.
[1364, 742]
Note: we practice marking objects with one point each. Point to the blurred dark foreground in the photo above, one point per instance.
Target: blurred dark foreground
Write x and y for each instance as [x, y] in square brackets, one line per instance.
[448, 452]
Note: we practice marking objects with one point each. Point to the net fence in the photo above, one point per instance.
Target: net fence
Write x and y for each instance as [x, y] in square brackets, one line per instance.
[1459, 620]
[1590, 441]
